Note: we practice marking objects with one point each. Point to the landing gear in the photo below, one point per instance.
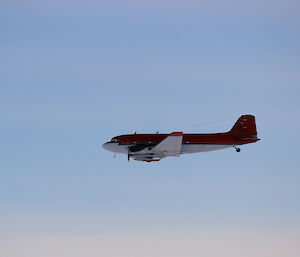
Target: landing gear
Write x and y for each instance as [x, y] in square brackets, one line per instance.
[237, 149]
[128, 155]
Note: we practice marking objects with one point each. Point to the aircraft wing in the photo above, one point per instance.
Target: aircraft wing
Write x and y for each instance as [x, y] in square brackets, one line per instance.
[170, 145]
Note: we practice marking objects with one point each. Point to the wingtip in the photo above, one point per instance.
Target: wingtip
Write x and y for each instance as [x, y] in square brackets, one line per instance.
[176, 134]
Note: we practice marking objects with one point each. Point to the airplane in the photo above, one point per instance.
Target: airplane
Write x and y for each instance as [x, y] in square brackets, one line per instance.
[154, 147]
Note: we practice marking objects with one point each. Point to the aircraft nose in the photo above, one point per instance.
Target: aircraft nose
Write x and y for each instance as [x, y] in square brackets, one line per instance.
[105, 146]
[109, 146]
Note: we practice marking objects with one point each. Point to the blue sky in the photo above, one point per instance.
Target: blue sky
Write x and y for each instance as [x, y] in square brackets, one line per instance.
[74, 74]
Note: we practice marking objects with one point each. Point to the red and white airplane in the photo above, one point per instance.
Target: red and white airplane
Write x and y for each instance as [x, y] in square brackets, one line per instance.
[154, 147]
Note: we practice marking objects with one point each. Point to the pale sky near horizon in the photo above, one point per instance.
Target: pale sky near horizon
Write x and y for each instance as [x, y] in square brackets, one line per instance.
[73, 74]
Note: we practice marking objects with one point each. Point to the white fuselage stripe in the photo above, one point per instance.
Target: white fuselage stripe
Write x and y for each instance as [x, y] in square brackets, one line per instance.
[186, 148]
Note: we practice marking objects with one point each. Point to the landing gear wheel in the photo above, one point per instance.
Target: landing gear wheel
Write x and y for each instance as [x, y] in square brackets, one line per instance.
[236, 148]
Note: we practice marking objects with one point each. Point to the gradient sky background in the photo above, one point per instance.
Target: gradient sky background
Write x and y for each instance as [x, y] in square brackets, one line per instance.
[73, 74]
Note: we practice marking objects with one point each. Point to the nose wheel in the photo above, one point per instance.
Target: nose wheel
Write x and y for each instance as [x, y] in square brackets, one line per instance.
[237, 149]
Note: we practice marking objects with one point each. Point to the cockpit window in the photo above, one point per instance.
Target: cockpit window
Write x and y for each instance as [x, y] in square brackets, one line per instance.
[114, 140]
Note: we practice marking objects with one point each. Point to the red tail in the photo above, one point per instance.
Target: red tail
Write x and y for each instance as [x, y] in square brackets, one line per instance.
[245, 127]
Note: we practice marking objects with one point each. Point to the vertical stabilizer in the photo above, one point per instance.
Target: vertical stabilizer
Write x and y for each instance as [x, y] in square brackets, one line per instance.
[245, 127]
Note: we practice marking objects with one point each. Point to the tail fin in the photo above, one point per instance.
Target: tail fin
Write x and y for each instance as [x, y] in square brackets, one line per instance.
[245, 127]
